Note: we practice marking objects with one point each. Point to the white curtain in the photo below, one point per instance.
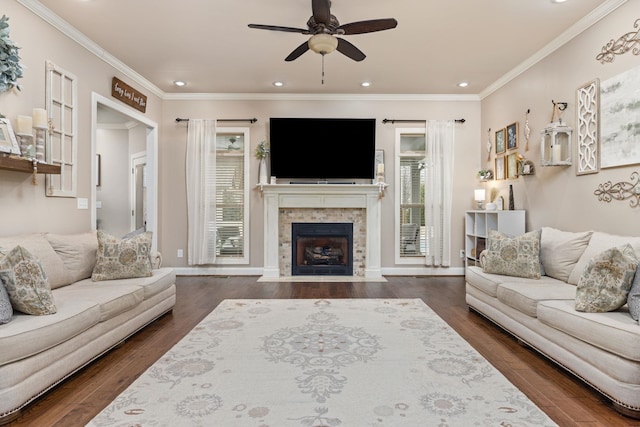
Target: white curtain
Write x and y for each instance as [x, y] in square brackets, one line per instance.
[438, 192]
[200, 168]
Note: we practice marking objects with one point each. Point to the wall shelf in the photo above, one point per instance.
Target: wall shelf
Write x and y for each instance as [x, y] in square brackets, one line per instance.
[20, 164]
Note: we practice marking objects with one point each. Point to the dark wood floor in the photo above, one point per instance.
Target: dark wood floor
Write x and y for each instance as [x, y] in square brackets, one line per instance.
[564, 398]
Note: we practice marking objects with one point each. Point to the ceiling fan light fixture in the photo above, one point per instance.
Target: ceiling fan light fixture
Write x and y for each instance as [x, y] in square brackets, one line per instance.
[323, 43]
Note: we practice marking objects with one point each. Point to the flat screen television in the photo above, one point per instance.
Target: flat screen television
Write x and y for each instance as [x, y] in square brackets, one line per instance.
[322, 148]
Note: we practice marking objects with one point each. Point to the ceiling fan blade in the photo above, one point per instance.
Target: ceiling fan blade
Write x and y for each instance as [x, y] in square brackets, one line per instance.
[279, 28]
[350, 50]
[370, 26]
[321, 11]
[297, 52]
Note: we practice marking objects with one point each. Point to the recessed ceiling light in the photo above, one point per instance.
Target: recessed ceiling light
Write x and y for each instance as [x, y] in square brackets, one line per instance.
[278, 84]
[463, 84]
[558, 1]
[179, 83]
[365, 84]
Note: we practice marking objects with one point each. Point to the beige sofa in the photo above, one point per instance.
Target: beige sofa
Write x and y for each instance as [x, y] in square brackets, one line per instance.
[603, 349]
[39, 351]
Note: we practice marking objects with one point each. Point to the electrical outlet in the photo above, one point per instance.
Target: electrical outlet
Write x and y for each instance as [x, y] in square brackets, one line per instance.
[461, 253]
[180, 253]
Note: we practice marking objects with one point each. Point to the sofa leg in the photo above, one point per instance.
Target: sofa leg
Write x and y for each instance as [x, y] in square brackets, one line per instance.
[627, 412]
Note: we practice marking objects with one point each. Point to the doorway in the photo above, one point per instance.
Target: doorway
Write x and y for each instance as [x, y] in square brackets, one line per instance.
[124, 191]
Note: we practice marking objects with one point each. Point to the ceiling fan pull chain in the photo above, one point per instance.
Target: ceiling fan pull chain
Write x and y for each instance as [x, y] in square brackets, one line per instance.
[323, 68]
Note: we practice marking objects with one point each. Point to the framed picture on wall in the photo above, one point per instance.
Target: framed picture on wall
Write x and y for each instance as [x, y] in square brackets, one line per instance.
[500, 167]
[500, 143]
[512, 165]
[8, 141]
[512, 136]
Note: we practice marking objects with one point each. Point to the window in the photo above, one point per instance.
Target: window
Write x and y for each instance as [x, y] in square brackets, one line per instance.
[230, 241]
[410, 180]
[61, 150]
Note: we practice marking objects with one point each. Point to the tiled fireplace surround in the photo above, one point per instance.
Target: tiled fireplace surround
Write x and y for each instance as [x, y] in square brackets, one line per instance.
[353, 203]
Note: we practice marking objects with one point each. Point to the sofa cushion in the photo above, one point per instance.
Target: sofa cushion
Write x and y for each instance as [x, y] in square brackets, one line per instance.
[561, 250]
[6, 311]
[77, 252]
[605, 283]
[614, 331]
[26, 283]
[112, 298]
[599, 243]
[122, 258]
[42, 250]
[27, 335]
[633, 300]
[525, 297]
[513, 256]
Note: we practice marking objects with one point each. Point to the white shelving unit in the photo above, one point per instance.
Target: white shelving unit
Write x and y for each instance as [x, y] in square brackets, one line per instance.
[478, 223]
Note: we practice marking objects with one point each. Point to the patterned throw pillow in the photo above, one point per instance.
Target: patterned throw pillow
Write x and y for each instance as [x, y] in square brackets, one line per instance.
[513, 256]
[633, 300]
[26, 283]
[605, 282]
[122, 258]
[6, 311]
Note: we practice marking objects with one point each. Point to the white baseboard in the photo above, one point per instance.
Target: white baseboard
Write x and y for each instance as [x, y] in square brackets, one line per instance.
[257, 271]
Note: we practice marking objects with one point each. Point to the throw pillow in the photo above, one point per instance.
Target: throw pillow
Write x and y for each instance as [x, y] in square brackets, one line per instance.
[26, 283]
[513, 256]
[561, 250]
[633, 300]
[6, 311]
[605, 283]
[122, 258]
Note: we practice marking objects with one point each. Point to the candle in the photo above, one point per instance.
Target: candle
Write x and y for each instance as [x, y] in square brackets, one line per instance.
[25, 125]
[556, 153]
[40, 118]
[380, 168]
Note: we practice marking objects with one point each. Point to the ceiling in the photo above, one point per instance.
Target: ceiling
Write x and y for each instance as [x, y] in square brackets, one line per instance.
[436, 44]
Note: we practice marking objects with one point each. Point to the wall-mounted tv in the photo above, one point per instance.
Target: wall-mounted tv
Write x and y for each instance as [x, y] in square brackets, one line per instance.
[322, 148]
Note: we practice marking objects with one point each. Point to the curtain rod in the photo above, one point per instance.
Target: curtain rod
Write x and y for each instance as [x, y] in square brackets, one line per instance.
[414, 121]
[178, 120]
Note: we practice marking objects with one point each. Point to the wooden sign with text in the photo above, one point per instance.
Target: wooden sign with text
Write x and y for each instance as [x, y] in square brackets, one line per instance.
[125, 93]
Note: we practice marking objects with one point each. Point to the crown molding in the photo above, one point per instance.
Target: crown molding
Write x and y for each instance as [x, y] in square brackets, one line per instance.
[316, 97]
[591, 19]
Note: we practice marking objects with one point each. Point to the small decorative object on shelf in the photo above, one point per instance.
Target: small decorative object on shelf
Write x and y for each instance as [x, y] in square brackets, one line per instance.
[41, 125]
[485, 174]
[380, 172]
[262, 151]
[24, 133]
[511, 201]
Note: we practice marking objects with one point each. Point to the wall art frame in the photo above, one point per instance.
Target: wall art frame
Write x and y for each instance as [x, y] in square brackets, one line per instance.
[512, 136]
[500, 164]
[512, 166]
[500, 141]
[619, 110]
[588, 127]
[8, 141]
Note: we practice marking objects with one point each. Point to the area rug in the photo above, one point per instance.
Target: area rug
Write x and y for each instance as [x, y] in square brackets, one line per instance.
[329, 362]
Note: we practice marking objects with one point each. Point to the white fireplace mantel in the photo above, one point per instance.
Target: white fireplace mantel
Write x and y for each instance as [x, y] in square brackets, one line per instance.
[322, 196]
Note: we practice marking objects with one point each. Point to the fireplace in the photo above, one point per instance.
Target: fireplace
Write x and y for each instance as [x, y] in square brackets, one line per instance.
[322, 249]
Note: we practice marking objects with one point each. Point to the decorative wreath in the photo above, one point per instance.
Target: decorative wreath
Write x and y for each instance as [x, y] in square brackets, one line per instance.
[10, 68]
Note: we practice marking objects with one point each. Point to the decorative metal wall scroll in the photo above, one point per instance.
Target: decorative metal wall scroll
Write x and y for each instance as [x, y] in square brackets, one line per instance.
[587, 127]
[621, 191]
[625, 43]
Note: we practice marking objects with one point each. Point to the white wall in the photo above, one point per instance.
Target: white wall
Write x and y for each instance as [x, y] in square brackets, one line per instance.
[114, 216]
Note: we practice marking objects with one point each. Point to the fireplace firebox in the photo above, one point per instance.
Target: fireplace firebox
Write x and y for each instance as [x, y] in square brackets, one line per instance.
[324, 249]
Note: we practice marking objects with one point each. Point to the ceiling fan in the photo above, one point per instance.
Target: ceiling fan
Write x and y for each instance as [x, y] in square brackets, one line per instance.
[324, 27]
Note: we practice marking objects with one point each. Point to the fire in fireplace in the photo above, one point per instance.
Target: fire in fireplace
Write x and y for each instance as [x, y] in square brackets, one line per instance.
[322, 249]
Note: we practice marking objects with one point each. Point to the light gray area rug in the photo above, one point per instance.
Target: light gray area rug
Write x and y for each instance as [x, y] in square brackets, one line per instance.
[335, 362]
